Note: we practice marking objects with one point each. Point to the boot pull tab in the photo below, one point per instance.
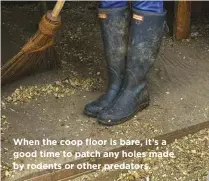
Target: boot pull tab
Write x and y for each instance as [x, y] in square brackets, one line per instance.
[102, 15]
[138, 17]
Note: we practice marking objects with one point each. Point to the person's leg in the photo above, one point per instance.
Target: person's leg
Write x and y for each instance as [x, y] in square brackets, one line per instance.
[146, 34]
[113, 4]
[114, 21]
[150, 6]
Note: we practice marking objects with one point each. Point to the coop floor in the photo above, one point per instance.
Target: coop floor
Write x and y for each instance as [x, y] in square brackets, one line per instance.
[50, 104]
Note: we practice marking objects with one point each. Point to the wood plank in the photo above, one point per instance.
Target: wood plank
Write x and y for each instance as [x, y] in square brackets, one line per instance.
[182, 20]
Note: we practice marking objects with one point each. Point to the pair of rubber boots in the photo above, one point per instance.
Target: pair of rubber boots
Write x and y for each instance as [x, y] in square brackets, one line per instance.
[130, 53]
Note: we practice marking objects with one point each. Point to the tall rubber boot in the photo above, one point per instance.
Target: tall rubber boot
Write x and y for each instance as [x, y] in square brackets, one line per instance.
[114, 29]
[146, 34]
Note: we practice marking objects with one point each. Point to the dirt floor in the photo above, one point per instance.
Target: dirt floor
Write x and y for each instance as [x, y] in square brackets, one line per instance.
[50, 104]
[190, 149]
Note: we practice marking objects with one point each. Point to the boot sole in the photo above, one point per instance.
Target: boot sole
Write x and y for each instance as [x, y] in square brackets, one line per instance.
[90, 114]
[141, 107]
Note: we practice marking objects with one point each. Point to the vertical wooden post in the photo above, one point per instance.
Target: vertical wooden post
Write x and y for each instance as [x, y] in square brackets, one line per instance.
[182, 19]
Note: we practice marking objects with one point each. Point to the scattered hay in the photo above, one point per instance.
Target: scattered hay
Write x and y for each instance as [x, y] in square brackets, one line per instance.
[59, 89]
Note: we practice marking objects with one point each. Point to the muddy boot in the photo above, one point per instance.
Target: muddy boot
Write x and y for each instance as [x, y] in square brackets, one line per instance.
[145, 38]
[114, 29]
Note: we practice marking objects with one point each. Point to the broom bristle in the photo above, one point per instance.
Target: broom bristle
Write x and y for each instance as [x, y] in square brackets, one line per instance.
[37, 55]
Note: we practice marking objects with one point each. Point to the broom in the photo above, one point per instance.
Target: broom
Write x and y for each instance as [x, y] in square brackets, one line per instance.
[38, 52]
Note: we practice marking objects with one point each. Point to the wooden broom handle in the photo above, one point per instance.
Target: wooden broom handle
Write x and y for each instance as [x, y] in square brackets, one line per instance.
[58, 7]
